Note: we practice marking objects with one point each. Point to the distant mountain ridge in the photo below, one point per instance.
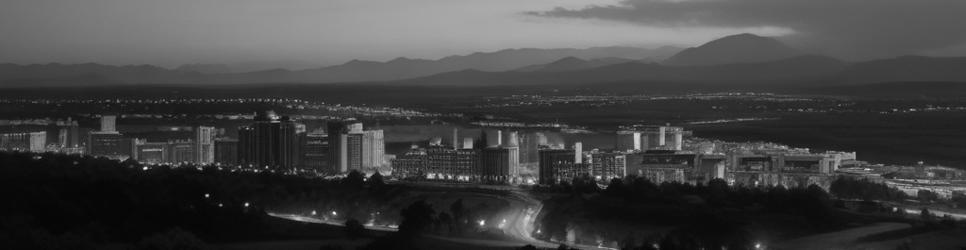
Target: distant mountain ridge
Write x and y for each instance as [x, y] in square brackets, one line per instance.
[741, 48]
[573, 63]
[352, 71]
[743, 59]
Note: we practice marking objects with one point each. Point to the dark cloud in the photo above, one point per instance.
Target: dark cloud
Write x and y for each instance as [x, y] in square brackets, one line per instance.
[848, 28]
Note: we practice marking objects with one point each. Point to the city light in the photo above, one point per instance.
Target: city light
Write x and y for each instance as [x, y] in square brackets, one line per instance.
[482, 223]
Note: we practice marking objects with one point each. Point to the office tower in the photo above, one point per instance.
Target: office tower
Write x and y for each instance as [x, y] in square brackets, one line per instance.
[151, 152]
[578, 152]
[204, 145]
[315, 151]
[643, 138]
[108, 123]
[456, 138]
[495, 165]
[492, 139]
[412, 164]
[373, 150]
[63, 133]
[436, 141]
[353, 126]
[628, 141]
[607, 166]
[181, 151]
[338, 161]
[28, 142]
[109, 144]
[529, 146]
[354, 151]
[269, 142]
[226, 151]
[551, 161]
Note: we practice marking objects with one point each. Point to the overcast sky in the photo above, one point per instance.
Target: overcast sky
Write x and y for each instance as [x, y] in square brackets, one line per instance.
[172, 32]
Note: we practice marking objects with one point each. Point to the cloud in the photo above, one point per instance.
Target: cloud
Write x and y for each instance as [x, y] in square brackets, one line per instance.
[847, 28]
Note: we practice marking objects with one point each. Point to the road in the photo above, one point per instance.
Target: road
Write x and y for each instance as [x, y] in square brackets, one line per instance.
[519, 219]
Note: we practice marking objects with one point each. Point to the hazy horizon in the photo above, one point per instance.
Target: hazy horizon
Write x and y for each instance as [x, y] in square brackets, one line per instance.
[304, 33]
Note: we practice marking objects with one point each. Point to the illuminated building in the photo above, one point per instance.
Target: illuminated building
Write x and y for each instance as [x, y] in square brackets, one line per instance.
[270, 142]
[226, 151]
[26, 142]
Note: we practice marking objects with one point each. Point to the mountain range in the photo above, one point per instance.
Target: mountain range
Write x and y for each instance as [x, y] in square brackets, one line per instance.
[737, 60]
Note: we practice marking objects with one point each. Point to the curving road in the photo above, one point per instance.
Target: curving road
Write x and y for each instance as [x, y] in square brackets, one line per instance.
[518, 221]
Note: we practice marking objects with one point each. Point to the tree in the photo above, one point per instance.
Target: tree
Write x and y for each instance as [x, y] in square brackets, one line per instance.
[927, 196]
[354, 229]
[376, 181]
[354, 179]
[416, 218]
[457, 209]
[925, 214]
[616, 187]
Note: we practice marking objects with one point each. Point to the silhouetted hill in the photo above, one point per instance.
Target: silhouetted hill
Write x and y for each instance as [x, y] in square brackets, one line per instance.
[206, 68]
[741, 48]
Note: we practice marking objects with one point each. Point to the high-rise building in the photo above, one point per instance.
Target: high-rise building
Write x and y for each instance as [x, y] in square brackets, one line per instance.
[643, 138]
[354, 151]
[181, 151]
[496, 164]
[551, 160]
[607, 166]
[559, 164]
[270, 142]
[226, 151]
[373, 150]
[338, 160]
[668, 166]
[456, 138]
[315, 151]
[29, 142]
[109, 144]
[108, 123]
[151, 152]
[204, 145]
[628, 141]
[412, 164]
[352, 148]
